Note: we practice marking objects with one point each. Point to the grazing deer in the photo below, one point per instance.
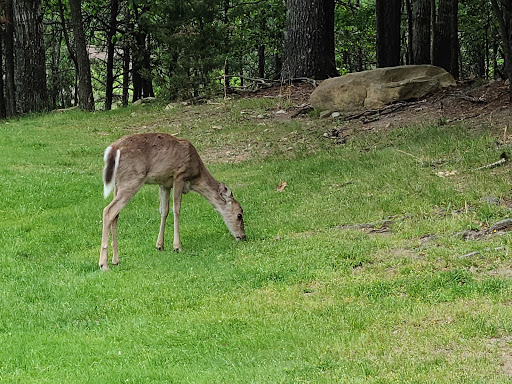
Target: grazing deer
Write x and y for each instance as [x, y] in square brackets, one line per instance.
[159, 158]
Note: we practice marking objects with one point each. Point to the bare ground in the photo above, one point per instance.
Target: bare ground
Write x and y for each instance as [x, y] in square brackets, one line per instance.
[473, 102]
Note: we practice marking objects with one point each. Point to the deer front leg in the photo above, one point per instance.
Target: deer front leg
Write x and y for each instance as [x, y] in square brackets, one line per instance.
[177, 190]
[164, 194]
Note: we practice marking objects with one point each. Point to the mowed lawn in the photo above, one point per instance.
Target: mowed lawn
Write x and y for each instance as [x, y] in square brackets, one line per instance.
[362, 269]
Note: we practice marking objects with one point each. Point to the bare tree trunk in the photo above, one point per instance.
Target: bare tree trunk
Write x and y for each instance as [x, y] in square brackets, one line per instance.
[420, 37]
[445, 45]
[141, 67]
[309, 40]
[503, 14]
[85, 95]
[30, 65]
[261, 61]
[126, 73]
[408, 8]
[3, 114]
[10, 88]
[109, 88]
[128, 26]
[388, 32]
[454, 62]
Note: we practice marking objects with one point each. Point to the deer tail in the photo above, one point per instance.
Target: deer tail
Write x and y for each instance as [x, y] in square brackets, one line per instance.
[109, 171]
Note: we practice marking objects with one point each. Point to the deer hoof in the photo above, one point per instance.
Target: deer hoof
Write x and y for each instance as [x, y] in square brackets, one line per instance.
[176, 249]
[160, 247]
[104, 267]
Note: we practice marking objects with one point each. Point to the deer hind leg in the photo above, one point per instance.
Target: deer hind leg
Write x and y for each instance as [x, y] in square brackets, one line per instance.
[115, 250]
[164, 194]
[177, 190]
[110, 215]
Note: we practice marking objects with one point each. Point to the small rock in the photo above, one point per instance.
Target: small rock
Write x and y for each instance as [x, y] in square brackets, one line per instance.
[502, 225]
[490, 200]
[334, 115]
[325, 114]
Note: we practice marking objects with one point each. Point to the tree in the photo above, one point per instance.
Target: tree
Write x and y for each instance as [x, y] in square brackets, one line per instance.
[420, 32]
[309, 40]
[503, 13]
[388, 32]
[112, 28]
[445, 51]
[7, 36]
[85, 95]
[141, 56]
[29, 57]
[3, 113]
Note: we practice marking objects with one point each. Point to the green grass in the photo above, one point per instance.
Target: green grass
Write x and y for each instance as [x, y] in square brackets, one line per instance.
[311, 297]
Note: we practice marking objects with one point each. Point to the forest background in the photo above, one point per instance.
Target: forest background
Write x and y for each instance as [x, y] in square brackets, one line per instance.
[98, 54]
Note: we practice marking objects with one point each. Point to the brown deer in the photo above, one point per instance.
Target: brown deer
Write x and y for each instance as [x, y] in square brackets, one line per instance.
[159, 158]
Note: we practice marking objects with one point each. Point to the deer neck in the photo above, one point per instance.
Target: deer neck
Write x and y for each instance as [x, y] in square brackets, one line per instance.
[208, 187]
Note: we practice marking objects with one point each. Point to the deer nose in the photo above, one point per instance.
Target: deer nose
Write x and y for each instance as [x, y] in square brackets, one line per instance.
[241, 238]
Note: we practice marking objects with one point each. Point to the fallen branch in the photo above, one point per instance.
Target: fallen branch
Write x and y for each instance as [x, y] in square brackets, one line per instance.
[381, 226]
[476, 100]
[302, 109]
[265, 83]
[381, 111]
[474, 253]
[501, 161]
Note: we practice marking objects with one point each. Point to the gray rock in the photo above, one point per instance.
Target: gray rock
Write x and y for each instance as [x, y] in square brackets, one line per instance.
[379, 87]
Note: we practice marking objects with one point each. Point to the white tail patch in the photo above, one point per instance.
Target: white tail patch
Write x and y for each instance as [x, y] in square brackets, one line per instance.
[109, 187]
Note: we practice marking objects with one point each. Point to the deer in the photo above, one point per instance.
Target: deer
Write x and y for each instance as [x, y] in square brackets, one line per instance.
[172, 163]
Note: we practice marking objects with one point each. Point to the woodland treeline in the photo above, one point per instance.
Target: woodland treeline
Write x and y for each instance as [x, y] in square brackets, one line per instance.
[95, 54]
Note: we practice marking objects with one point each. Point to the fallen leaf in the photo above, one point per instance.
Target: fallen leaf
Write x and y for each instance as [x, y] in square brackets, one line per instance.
[447, 173]
[280, 188]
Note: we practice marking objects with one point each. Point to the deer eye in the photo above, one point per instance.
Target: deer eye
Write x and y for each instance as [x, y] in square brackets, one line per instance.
[239, 216]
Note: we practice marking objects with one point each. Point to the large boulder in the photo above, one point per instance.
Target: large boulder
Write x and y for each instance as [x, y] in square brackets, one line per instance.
[376, 88]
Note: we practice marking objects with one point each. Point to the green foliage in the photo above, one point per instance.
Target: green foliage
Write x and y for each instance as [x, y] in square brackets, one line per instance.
[355, 31]
[191, 46]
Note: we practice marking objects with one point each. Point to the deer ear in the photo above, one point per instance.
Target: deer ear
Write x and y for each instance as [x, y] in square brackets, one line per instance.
[225, 192]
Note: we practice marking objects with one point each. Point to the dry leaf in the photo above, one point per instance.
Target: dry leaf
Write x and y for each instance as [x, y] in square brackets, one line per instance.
[447, 173]
[280, 188]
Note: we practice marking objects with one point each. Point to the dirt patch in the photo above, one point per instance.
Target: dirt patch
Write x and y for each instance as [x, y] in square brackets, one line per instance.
[504, 346]
[296, 93]
[474, 102]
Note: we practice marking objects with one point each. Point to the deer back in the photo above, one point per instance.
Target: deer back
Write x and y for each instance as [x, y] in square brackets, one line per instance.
[156, 158]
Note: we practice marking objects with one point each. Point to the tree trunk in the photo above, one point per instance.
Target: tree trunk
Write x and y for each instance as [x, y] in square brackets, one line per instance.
[261, 61]
[503, 14]
[8, 40]
[408, 8]
[388, 32]
[2, 99]
[309, 40]
[445, 46]
[454, 62]
[85, 95]
[30, 65]
[141, 66]
[420, 38]
[109, 87]
[278, 66]
[126, 73]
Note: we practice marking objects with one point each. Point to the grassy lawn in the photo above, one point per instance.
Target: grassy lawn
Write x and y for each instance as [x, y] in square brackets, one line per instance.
[358, 272]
